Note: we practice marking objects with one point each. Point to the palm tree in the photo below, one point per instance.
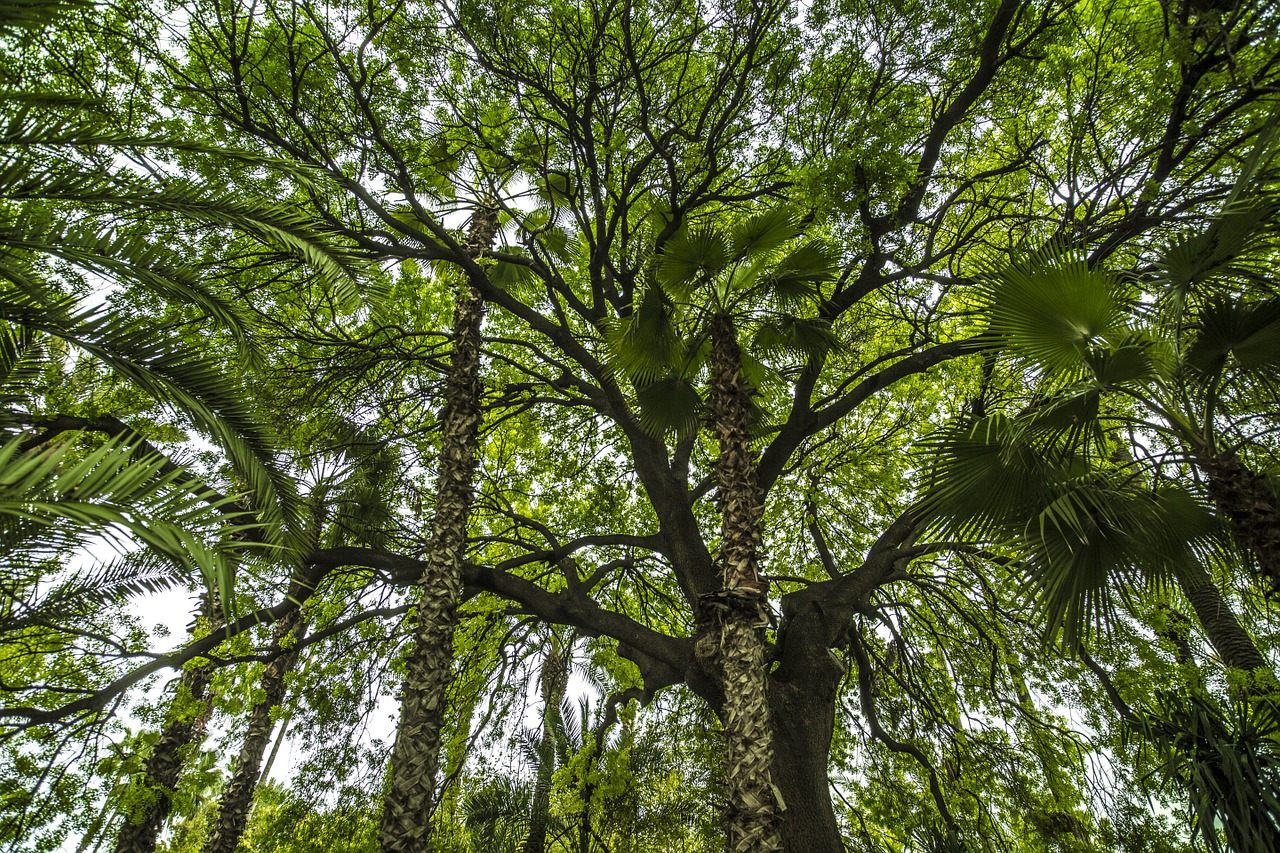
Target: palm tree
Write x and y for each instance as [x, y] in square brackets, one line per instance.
[715, 283]
[187, 719]
[415, 757]
[356, 505]
[69, 214]
[237, 797]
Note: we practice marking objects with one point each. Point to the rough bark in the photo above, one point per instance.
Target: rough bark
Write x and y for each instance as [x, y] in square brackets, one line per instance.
[802, 700]
[554, 683]
[1246, 498]
[188, 719]
[1228, 638]
[733, 619]
[237, 799]
[415, 758]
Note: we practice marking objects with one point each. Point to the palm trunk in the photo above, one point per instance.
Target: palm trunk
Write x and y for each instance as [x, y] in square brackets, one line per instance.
[188, 719]
[735, 617]
[1232, 643]
[555, 681]
[1246, 498]
[233, 810]
[415, 757]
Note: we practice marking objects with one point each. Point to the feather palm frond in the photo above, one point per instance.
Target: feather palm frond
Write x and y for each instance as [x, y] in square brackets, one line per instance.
[67, 496]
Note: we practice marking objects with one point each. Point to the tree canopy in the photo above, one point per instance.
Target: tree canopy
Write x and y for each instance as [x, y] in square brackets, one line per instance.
[626, 425]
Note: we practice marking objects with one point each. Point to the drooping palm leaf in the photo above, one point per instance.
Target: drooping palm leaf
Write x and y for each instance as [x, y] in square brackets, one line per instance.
[1244, 334]
[65, 497]
[646, 345]
[668, 406]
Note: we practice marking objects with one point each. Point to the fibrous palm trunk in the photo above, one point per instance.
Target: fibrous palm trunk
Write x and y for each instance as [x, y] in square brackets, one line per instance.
[735, 617]
[1228, 638]
[1246, 498]
[233, 809]
[405, 826]
[188, 719]
[554, 683]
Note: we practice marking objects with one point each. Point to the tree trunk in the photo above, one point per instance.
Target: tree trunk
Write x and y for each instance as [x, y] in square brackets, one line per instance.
[733, 619]
[233, 810]
[1246, 498]
[1232, 643]
[802, 700]
[555, 681]
[188, 718]
[405, 823]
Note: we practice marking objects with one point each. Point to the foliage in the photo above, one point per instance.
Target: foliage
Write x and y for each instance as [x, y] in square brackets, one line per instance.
[1008, 339]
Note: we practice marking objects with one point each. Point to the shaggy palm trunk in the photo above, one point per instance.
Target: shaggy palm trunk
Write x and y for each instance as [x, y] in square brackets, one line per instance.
[188, 719]
[233, 810]
[554, 683]
[1245, 497]
[735, 617]
[1232, 643]
[405, 824]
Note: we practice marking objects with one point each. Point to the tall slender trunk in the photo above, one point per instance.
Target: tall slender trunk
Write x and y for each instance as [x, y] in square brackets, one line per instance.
[237, 799]
[1246, 498]
[554, 683]
[1232, 643]
[188, 719]
[735, 617]
[405, 824]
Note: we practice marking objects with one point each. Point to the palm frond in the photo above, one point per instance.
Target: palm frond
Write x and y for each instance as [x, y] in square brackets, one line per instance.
[796, 336]
[86, 591]
[759, 236]
[669, 405]
[1051, 313]
[1247, 334]
[799, 276]
[66, 497]
[1225, 760]
[689, 258]
[646, 345]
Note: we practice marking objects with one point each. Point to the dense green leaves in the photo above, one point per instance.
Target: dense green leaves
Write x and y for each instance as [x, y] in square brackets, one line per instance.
[962, 446]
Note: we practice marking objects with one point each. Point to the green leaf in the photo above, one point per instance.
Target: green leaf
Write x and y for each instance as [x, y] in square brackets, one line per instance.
[800, 275]
[757, 237]
[670, 405]
[1052, 313]
[689, 259]
[1248, 332]
[646, 345]
[804, 337]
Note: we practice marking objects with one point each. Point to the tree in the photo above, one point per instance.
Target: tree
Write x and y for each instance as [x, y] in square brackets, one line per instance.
[430, 664]
[927, 145]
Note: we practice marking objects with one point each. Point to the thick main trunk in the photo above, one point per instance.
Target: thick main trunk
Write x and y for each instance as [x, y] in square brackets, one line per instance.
[1232, 643]
[188, 719]
[415, 758]
[733, 619]
[237, 799]
[802, 701]
[1246, 498]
